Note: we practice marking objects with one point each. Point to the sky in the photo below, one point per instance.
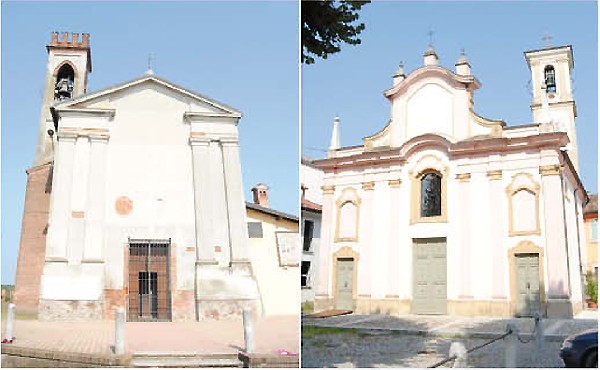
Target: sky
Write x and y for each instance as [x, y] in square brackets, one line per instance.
[494, 36]
[242, 54]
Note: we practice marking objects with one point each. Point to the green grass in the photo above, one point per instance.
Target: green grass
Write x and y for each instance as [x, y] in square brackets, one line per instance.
[307, 307]
[18, 316]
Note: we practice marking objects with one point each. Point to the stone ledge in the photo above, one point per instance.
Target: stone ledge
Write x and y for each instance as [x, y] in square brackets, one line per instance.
[269, 360]
[71, 357]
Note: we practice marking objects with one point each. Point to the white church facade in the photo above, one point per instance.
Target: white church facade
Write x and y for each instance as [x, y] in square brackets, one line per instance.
[447, 212]
[141, 185]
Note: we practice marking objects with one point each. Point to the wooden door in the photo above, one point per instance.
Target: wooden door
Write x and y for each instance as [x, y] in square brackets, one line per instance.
[345, 280]
[429, 276]
[528, 284]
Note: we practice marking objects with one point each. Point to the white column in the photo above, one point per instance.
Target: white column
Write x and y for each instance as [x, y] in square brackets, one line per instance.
[218, 200]
[94, 216]
[394, 242]
[556, 255]
[236, 207]
[365, 240]
[324, 259]
[60, 209]
[465, 288]
[202, 196]
[496, 230]
[79, 192]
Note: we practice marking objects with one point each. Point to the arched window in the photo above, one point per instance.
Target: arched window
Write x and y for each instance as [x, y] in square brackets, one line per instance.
[550, 79]
[65, 81]
[431, 195]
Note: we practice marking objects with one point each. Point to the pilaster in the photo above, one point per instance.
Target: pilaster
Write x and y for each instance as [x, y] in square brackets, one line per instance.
[326, 248]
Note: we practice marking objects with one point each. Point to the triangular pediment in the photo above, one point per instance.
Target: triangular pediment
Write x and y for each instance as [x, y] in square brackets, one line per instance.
[100, 99]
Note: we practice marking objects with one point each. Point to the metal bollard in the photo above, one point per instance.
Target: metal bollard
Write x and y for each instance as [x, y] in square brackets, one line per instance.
[10, 322]
[248, 330]
[119, 331]
[458, 349]
[510, 346]
[539, 332]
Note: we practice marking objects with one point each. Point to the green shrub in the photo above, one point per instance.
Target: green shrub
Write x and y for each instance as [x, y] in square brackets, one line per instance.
[591, 288]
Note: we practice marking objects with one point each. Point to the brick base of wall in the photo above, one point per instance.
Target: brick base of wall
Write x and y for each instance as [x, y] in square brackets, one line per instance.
[71, 310]
[184, 304]
[113, 298]
[226, 308]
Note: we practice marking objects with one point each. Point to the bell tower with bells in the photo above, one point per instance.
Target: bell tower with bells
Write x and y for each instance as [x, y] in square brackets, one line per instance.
[553, 103]
[69, 63]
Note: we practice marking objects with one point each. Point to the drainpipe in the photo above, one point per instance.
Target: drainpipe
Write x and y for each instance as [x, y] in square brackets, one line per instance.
[562, 195]
[581, 276]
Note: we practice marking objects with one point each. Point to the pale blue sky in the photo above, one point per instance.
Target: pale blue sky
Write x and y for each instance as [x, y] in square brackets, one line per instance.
[494, 36]
[242, 54]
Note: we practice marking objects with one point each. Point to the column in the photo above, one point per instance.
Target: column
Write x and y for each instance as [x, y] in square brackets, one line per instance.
[79, 191]
[325, 265]
[394, 242]
[465, 290]
[236, 208]
[365, 241]
[94, 217]
[200, 167]
[497, 218]
[60, 204]
[556, 256]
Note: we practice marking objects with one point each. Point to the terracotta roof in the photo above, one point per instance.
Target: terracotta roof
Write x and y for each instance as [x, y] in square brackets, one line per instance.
[307, 204]
[271, 212]
[592, 206]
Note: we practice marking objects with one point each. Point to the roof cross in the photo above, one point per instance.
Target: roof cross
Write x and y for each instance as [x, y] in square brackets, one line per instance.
[149, 71]
[430, 33]
[547, 39]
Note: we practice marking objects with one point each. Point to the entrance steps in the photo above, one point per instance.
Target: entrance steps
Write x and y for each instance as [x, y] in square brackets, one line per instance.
[175, 359]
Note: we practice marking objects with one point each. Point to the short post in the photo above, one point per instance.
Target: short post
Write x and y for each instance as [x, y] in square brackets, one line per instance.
[119, 331]
[539, 332]
[510, 346]
[10, 322]
[248, 330]
[458, 349]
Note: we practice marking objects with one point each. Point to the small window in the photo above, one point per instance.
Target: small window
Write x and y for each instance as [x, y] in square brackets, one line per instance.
[550, 79]
[304, 277]
[255, 230]
[594, 230]
[431, 195]
[308, 235]
[65, 81]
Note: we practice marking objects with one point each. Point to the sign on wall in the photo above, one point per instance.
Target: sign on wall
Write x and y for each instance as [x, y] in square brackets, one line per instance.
[288, 248]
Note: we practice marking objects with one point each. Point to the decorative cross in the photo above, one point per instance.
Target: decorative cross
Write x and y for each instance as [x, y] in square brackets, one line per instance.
[149, 61]
[430, 33]
[547, 39]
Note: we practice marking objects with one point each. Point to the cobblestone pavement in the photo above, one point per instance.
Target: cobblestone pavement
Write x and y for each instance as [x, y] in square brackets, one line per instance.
[205, 337]
[421, 341]
[378, 349]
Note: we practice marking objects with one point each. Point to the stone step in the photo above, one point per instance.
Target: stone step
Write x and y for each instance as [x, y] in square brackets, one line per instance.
[184, 360]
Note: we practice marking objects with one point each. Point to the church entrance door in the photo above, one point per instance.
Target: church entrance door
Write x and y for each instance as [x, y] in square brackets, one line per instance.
[528, 284]
[149, 280]
[344, 279]
[429, 276]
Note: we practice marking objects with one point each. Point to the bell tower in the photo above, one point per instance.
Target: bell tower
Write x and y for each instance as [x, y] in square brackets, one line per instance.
[553, 102]
[69, 63]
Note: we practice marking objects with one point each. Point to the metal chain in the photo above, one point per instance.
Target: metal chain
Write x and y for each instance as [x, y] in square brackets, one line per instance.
[508, 332]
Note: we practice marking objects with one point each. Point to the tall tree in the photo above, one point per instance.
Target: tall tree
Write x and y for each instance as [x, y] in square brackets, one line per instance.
[328, 24]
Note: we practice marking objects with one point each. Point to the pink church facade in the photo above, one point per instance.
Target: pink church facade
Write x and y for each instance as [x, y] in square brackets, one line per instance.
[448, 212]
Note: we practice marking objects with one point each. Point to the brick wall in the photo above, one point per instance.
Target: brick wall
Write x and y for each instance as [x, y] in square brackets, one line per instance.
[32, 250]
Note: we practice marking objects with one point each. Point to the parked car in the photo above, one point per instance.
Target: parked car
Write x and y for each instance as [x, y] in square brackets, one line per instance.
[581, 350]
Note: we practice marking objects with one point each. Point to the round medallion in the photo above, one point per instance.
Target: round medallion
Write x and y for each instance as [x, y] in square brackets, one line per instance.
[123, 205]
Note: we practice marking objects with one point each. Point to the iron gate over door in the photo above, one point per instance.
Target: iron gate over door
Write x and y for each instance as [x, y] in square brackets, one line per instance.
[149, 280]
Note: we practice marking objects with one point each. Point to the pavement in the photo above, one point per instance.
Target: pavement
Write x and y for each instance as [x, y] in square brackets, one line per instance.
[457, 326]
[207, 337]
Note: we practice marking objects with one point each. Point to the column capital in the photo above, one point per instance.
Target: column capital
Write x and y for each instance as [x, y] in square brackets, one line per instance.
[463, 177]
[66, 136]
[199, 141]
[494, 174]
[394, 183]
[328, 189]
[229, 141]
[550, 170]
[368, 185]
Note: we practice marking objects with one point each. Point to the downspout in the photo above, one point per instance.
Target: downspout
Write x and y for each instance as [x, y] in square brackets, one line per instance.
[562, 195]
[581, 276]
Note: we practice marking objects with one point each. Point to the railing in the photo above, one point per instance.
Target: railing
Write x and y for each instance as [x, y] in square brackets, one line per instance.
[459, 354]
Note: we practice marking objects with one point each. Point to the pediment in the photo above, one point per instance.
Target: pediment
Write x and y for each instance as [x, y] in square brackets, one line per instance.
[433, 74]
[102, 99]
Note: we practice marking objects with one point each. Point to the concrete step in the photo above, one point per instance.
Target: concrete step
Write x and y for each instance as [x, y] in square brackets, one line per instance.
[185, 360]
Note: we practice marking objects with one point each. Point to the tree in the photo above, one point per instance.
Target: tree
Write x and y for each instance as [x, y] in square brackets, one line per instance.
[328, 24]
